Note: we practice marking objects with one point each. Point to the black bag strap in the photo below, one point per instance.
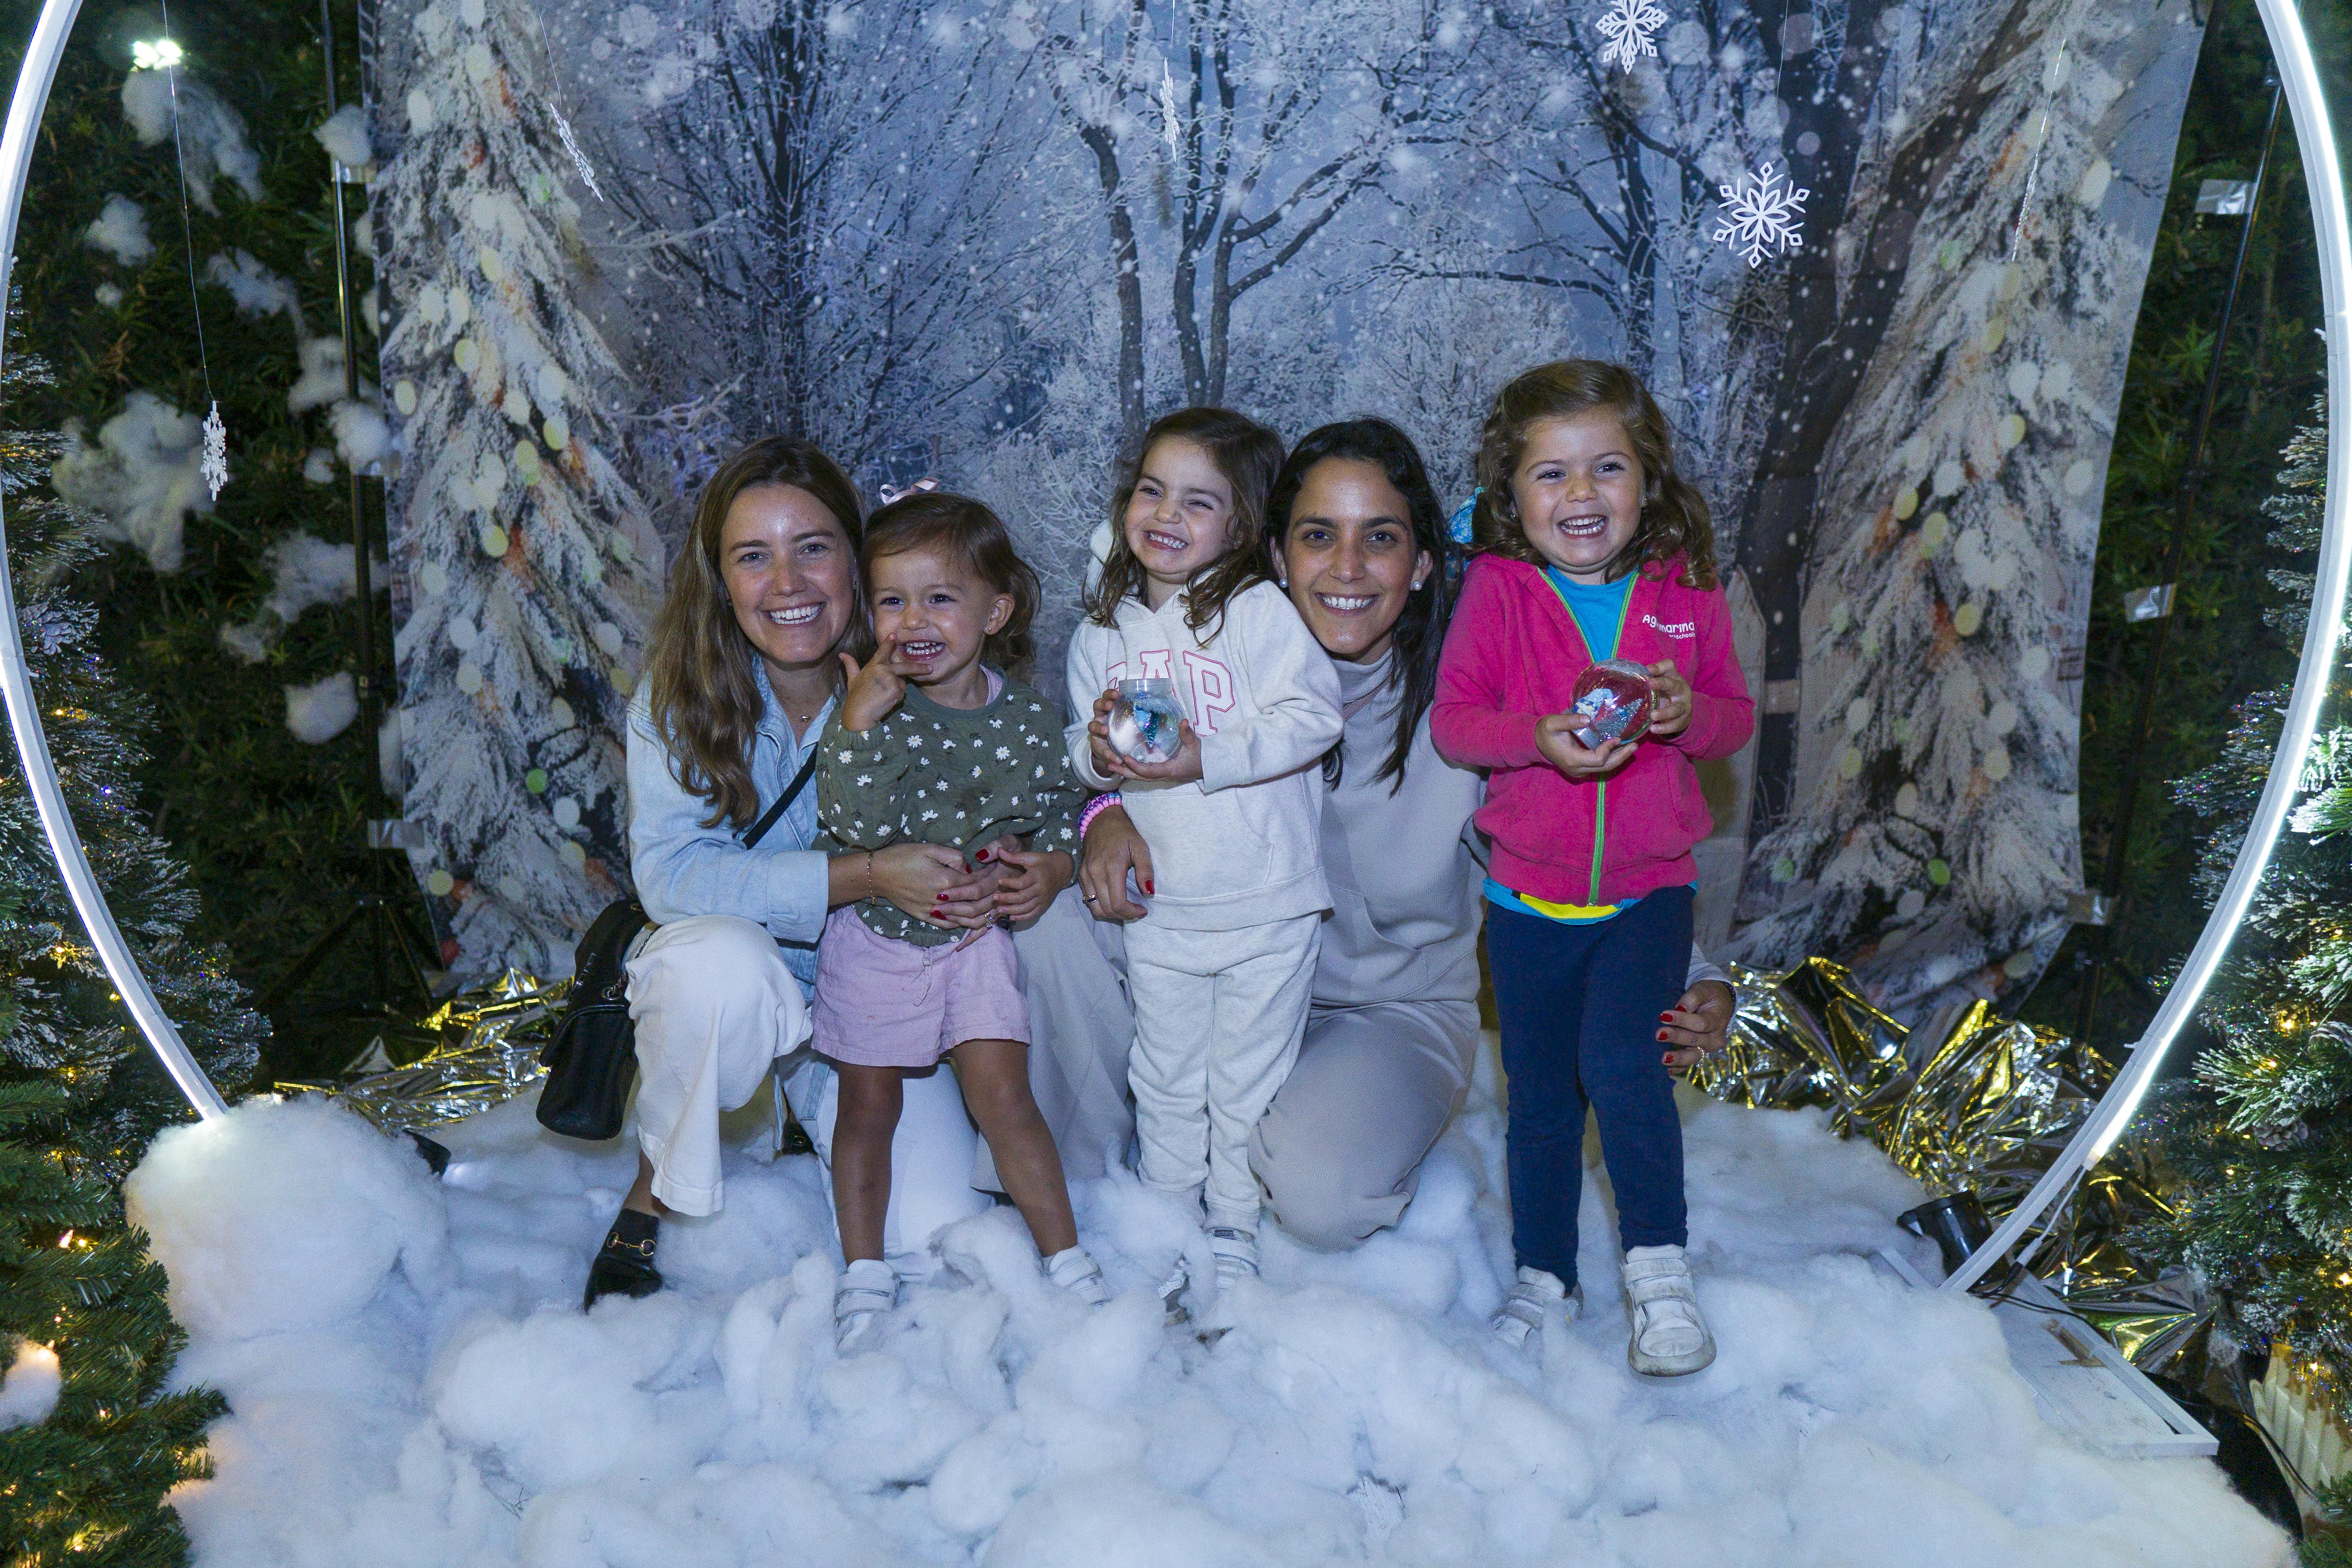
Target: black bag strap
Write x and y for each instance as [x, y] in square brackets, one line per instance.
[784, 803]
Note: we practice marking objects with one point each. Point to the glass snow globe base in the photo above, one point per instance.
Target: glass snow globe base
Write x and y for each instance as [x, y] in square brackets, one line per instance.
[1614, 699]
[1143, 721]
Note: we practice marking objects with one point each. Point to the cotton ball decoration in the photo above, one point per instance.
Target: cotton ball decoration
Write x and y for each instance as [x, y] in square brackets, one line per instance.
[31, 1391]
[286, 1214]
[324, 710]
[319, 467]
[345, 135]
[361, 435]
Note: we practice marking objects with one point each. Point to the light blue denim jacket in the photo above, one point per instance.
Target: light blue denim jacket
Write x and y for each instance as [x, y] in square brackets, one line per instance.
[683, 868]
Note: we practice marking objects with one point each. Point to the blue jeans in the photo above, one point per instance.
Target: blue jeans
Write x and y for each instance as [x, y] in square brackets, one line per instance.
[1578, 1006]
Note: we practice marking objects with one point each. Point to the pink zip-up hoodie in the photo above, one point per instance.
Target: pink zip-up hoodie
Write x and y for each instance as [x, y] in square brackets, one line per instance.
[1512, 656]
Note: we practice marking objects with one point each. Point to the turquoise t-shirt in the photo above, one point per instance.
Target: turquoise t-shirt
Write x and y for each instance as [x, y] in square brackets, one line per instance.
[1598, 609]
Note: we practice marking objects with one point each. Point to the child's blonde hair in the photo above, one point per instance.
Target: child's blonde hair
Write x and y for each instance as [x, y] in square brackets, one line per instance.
[1249, 456]
[1675, 519]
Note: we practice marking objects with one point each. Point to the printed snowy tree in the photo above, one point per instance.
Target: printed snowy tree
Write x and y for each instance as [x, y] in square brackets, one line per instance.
[2262, 1137]
[529, 568]
[1921, 520]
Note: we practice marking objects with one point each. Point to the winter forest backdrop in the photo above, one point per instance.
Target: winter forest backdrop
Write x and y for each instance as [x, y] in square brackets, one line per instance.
[991, 241]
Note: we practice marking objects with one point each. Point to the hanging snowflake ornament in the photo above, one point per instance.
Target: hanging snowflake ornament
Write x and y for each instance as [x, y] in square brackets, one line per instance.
[1169, 114]
[579, 158]
[214, 467]
[1764, 216]
[1625, 30]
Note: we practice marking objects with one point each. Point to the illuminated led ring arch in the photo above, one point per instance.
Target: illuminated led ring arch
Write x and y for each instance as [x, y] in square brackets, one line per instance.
[2107, 1120]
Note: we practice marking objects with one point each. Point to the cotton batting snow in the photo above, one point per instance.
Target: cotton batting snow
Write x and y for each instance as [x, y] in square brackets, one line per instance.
[209, 135]
[413, 1384]
[120, 230]
[324, 710]
[345, 135]
[142, 477]
[33, 1383]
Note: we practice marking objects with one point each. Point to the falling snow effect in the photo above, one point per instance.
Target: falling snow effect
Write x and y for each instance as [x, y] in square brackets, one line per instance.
[214, 467]
[1626, 28]
[1763, 215]
[412, 1382]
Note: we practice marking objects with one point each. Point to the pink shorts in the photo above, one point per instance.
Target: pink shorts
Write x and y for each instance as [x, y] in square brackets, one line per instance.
[887, 1003]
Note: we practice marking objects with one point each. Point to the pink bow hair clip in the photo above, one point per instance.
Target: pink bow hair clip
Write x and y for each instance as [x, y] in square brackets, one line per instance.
[893, 493]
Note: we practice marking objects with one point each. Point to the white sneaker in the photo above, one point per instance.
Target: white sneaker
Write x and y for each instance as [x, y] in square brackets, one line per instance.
[1236, 1250]
[1080, 1275]
[869, 1289]
[1670, 1337]
[1172, 1309]
[1538, 1290]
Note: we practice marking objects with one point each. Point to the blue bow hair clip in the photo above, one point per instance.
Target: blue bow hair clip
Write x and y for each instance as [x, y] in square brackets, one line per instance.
[1457, 527]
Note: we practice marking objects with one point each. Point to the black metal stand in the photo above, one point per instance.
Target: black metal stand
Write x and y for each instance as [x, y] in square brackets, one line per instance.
[388, 934]
[2098, 945]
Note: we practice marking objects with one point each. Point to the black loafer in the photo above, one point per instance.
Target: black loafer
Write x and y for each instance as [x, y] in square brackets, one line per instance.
[623, 1266]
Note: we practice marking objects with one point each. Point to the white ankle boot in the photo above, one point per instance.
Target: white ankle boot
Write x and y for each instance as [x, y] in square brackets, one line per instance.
[869, 1289]
[1236, 1250]
[1670, 1337]
[1080, 1275]
[1537, 1292]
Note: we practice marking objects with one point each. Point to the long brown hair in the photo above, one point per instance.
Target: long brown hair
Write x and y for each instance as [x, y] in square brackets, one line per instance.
[1675, 519]
[966, 532]
[1249, 456]
[702, 670]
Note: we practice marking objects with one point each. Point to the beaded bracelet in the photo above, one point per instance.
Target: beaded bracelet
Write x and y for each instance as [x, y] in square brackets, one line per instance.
[1094, 808]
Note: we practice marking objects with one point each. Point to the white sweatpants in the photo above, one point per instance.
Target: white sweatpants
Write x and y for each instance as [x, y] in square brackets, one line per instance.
[1218, 1018]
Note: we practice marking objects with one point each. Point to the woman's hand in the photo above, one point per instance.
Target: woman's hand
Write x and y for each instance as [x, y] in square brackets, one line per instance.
[1697, 1026]
[917, 877]
[971, 899]
[1111, 763]
[871, 691]
[1032, 878]
[1555, 739]
[1111, 849]
[1670, 703]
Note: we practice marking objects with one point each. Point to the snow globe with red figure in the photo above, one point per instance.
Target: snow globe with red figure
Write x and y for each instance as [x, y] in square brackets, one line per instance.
[1615, 699]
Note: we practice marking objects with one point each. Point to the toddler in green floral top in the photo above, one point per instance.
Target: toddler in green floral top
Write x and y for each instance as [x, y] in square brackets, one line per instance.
[929, 745]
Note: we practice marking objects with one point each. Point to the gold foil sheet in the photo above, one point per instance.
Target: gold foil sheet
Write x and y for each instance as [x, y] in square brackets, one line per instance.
[491, 1039]
[1963, 1100]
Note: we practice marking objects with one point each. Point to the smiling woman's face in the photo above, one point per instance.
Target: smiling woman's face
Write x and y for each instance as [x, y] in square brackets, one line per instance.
[791, 574]
[1348, 557]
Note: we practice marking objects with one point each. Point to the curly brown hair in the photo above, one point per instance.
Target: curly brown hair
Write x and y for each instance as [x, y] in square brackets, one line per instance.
[967, 532]
[702, 672]
[1249, 456]
[1674, 518]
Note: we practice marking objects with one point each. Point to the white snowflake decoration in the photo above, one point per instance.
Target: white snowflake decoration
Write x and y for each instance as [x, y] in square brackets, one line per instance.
[214, 467]
[1169, 114]
[1626, 27]
[579, 158]
[1764, 216]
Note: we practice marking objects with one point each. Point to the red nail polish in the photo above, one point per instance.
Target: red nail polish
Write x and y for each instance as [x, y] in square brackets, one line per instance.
[937, 913]
[1665, 1017]
[1661, 1034]
[981, 856]
[1147, 887]
[1665, 1061]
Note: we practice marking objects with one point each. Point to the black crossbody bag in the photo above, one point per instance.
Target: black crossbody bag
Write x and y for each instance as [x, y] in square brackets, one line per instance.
[592, 1059]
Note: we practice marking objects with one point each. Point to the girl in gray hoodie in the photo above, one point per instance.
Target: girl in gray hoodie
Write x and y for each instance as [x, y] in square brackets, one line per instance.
[1221, 970]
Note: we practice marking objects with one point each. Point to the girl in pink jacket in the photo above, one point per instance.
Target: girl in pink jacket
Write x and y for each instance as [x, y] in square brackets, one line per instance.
[1591, 547]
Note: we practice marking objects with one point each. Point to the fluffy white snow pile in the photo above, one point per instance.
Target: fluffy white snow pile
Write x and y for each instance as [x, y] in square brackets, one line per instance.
[324, 710]
[414, 1384]
[120, 230]
[144, 474]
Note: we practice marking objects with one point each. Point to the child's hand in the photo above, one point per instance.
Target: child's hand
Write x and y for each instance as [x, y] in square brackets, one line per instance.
[1099, 746]
[873, 691]
[1182, 768]
[1670, 711]
[971, 900]
[1032, 880]
[1555, 739]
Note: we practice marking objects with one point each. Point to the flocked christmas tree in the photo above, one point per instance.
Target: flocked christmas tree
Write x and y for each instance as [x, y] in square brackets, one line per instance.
[2262, 1137]
[89, 1442]
[528, 563]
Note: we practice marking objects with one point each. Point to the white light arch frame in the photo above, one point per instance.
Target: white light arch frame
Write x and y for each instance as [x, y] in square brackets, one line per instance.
[2322, 175]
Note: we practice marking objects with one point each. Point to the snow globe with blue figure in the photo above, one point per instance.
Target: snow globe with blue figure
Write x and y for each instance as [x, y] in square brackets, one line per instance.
[1144, 720]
